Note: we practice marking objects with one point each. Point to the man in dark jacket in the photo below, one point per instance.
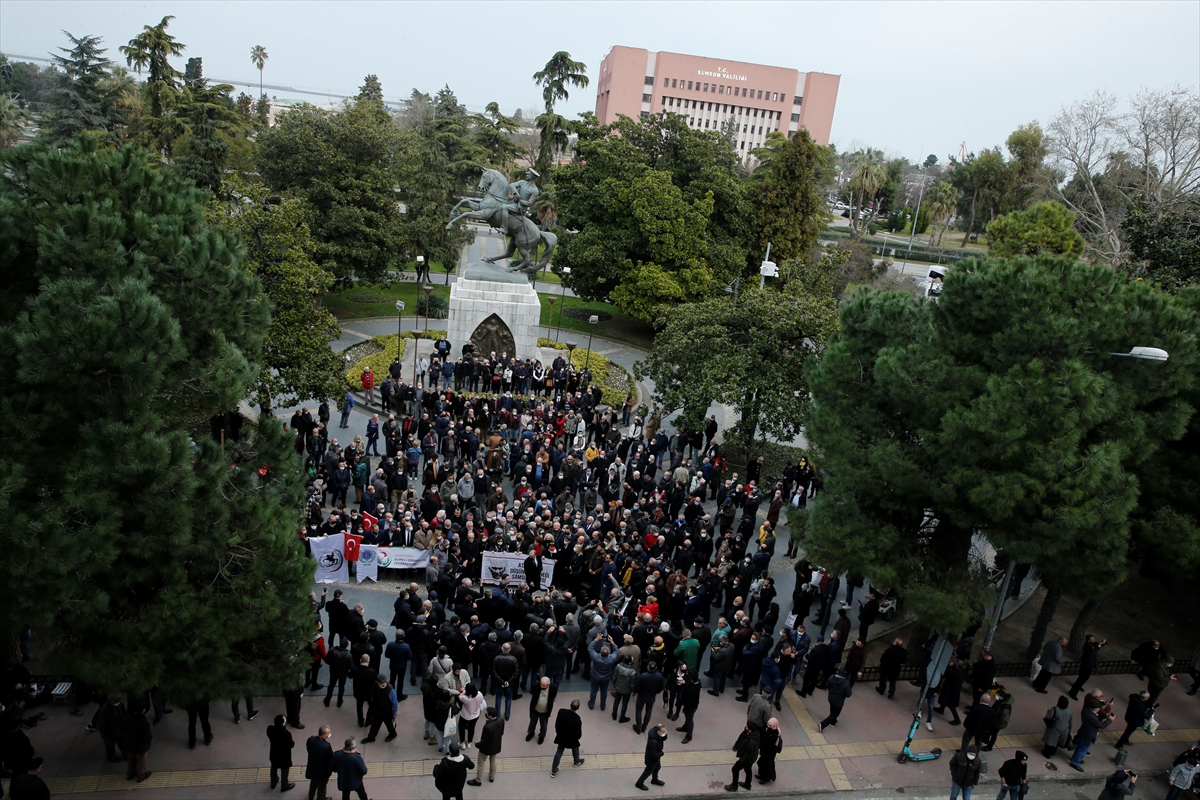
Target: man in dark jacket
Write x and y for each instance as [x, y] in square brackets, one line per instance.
[654, 753]
[541, 703]
[1136, 713]
[839, 689]
[533, 570]
[339, 616]
[964, 772]
[281, 753]
[399, 654]
[136, 736]
[1091, 722]
[949, 695]
[977, 722]
[1087, 663]
[384, 707]
[350, 768]
[818, 661]
[491, 740]
[339, 662]
[889, 667]
[320, 763]
[363, 678]
[648, 686]
[746, 749]
[1012, 776]
[568, 730]
[983, 674]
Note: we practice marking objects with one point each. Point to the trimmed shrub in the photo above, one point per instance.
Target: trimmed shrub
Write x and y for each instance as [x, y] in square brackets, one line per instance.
[584, 314]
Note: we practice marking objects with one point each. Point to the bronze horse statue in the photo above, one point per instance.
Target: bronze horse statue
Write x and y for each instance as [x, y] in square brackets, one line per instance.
[503, 211]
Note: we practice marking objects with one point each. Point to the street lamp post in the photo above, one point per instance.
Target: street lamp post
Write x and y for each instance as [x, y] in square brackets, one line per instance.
[550, 322]
[592, 320]
[399, 325]
[416, 346]
[563, 296]
[913, 231]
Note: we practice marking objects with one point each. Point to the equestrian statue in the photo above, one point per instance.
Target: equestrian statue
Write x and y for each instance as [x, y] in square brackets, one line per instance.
[503, 207]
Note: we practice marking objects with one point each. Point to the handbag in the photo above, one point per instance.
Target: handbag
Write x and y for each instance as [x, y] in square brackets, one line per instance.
[1035, 668]
[451, 728]
[1151, 725]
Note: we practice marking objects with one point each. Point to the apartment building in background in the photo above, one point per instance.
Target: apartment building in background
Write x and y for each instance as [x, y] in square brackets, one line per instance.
[710, 92]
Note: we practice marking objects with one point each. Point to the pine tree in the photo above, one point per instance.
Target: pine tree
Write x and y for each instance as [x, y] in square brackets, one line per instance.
[787, 193]
[83, 99]
[996, 410]
[135, 547]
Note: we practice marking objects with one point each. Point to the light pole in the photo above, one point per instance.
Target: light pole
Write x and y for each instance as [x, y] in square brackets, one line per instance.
[550, 322]
[917, 216]
[427, 289]
[416, 346]
[563, 296]
[399, 325]
[592, 320]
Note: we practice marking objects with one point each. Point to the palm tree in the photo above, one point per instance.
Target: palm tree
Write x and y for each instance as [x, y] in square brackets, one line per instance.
[943, 199]
[868, 177]
[258, 57]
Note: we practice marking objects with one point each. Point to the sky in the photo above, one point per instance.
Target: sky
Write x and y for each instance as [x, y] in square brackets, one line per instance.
[917, 77]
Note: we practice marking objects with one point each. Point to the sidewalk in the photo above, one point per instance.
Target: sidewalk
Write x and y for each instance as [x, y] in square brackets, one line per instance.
[859, 754]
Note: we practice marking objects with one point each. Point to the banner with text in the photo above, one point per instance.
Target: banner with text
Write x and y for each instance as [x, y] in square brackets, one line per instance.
[372, 558]
[329, 552]
[497, 565]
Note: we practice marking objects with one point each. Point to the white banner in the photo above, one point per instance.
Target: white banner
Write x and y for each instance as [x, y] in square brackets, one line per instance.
[329, 552]
[497, 565]
[372, 558]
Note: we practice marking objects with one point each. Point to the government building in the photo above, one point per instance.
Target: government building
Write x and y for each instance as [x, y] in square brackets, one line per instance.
[711, 92]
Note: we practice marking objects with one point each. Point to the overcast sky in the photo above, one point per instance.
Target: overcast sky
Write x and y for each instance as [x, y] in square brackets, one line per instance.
[917, 78]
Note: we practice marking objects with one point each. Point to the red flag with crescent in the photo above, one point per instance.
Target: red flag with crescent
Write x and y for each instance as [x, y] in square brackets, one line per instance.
[351, 549]
[368, 521]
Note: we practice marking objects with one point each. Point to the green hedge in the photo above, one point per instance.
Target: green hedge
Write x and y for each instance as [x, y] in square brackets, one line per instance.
[381, 359]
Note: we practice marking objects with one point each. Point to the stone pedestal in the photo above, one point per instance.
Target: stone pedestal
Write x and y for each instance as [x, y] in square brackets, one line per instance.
[501, 307]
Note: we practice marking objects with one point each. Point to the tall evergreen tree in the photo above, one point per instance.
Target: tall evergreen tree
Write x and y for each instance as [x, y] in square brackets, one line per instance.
[151, 50]
[86, 98]
[127, 322]
[788, 203]
[996, 410]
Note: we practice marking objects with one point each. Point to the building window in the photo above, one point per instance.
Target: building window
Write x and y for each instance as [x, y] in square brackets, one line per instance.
[796, 102]
[649, 80]
[691, 121]
[742, 146]
[645, 114]
[674, 84]
[755, 112]
[795, 117]
[759, 96]
[689, 84]
[743, 128]
[645, 98]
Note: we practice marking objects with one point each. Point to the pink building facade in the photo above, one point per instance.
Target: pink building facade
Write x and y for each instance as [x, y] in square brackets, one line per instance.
[710, 92]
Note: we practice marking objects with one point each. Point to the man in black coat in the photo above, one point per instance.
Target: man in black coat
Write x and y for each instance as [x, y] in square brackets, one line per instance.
[1087, 663]
[1136, 713]
[568, 730]
[339, 616]
[136, 737]
[320, 763]
[281, 753]
[978, 722]
[533, 570]
[654, 753]
[339, 662]
[363, 678]
[889, 667]
[819, 659]
[26, 785]
[951, 690]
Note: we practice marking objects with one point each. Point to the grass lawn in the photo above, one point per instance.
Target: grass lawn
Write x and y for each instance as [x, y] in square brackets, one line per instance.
[342, 307]
[620, 327]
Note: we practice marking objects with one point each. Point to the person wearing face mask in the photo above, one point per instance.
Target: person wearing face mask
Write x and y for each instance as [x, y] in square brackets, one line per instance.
[654, 753]
[964, 772]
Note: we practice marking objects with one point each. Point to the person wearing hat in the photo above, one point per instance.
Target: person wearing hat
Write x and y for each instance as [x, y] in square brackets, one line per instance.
[1012, 775]
[964, 772]
[350, 769]
[450, 774]
[27, 785]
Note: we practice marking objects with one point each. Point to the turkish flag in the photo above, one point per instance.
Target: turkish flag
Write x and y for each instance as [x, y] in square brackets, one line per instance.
[369, 521]
[352, 543]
